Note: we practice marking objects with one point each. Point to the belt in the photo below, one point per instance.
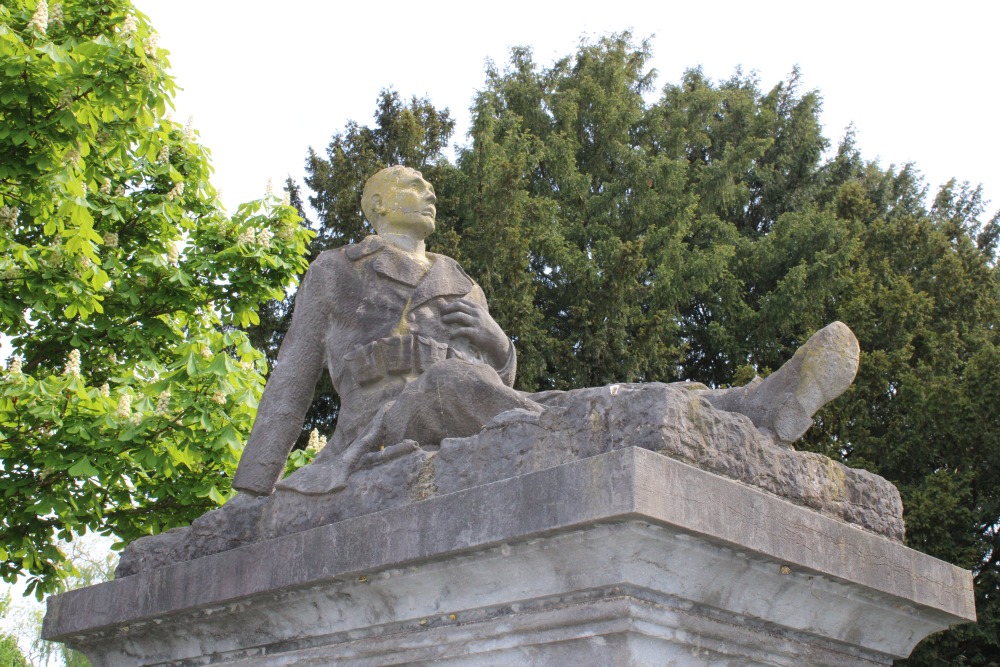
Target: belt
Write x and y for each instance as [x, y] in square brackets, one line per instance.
[394, 355]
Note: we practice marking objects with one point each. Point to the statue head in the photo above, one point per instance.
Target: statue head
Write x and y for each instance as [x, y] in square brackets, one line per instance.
[397, 200]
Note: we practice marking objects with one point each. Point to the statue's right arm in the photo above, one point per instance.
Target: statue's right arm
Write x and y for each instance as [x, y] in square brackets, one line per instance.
[289, 390]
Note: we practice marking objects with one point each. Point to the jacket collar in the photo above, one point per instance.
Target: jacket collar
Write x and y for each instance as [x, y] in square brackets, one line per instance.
[444, 278]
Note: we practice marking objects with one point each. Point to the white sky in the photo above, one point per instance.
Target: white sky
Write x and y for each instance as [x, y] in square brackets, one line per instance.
[265, 80]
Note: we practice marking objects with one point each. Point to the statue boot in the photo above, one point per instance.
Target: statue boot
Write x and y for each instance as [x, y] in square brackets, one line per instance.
[782, 405]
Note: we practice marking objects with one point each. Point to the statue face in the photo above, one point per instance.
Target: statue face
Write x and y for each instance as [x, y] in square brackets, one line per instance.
[407, 205]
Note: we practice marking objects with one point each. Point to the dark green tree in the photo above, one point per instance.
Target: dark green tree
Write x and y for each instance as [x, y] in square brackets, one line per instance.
[703, 234]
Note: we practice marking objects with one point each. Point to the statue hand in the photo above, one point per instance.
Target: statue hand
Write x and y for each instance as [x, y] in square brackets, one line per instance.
[470, 320]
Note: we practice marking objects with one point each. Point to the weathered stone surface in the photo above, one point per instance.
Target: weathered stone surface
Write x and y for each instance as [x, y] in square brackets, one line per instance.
[669, 419]
[783, 405]
[676, 421]
[624, 558]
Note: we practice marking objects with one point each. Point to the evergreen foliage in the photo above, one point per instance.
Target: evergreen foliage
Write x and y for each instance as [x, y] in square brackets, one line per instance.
[702, 234]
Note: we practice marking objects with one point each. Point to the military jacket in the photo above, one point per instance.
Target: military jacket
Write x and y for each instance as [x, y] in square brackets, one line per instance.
[371, 316]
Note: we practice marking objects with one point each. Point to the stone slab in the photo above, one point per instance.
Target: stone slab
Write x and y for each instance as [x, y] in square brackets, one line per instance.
[600, 561]
[673, 420]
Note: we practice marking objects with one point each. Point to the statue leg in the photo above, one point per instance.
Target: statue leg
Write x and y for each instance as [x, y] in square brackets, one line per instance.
[451, 399]
[319, 478]
[783, 404]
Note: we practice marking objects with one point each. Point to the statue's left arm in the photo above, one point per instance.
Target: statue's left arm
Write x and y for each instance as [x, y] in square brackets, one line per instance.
[469, 318]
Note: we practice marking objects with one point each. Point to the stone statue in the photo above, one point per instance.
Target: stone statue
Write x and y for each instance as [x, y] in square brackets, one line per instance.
[405, 335]
[453, 519]
[415, 357]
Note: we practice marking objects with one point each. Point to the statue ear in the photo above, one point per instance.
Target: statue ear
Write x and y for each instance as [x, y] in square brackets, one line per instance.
[377, 207]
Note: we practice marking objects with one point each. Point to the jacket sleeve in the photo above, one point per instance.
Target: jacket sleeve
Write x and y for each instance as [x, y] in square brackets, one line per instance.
[290, 388]
[508, 369]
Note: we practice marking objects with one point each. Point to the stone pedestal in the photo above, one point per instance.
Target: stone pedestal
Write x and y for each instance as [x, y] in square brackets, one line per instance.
[626, 558]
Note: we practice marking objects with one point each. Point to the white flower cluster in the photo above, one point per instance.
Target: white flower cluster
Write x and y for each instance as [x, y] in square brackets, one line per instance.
[219, 397]
[72, 157]
[177, 191]
[246, 365]
[269, 190]
[164, 153]
[206, 352]
[105, 390]
[73, 364]
[105, 188]
[136, 418]
[124, 409]
[55, 256]
[40, 19]
[246, 237]
[129, 26]
[8, 216]
[111, 240]
[189, 129]
[250, 237]
[15, 366]
[163, 403]
[286, 198]
[150, 45]
[316, 441]
[173, 255]
[56, 16]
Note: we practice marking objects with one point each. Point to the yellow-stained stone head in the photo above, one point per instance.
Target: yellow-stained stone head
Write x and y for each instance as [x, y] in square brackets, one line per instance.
[398, 200]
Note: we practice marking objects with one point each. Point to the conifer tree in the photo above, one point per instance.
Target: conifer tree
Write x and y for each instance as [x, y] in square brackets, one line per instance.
[701, 234]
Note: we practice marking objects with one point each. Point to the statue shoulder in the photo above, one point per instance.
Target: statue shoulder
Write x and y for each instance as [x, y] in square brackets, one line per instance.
[367, 246]
[458, 274]
[338, 258]
[451, 264]
[329, 272]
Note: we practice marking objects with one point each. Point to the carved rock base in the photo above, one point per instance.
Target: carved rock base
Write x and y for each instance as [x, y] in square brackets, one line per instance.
[626, 558]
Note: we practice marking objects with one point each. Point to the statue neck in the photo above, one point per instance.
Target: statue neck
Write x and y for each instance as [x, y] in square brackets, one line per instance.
[409, 244]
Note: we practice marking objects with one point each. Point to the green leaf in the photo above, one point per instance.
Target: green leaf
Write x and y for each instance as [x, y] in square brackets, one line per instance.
[191, 365]
[215, 496]
[83, 468]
